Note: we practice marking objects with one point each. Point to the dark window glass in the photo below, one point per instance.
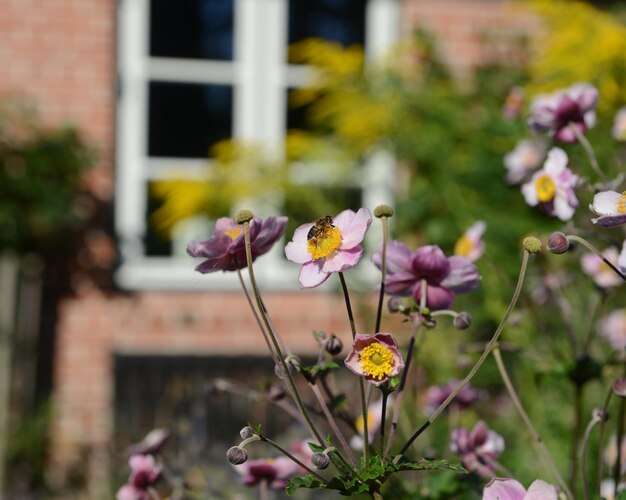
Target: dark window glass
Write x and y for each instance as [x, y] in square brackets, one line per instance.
[156, 243]
[297, 114]
[341, 21]
[198, 29]
[187, 119]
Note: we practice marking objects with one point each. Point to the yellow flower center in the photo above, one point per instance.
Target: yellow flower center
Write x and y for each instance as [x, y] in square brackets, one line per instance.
[325, 244]
[233, 233]
[376, 361]
[463, 246]
[359, 422]
[545, 188]
[621, 203]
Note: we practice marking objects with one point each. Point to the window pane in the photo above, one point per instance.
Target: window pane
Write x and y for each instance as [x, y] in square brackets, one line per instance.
[341, 21]
[199, 29]
[187, 119]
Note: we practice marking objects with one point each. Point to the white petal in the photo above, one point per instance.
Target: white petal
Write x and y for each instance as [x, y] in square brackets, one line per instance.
[605, 203]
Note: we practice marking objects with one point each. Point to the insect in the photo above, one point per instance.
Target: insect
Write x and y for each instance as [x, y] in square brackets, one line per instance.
[319, 227]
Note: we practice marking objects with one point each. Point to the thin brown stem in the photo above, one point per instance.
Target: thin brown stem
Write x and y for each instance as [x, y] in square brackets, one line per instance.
[589, 246]
[605, 409]
[267, 440]
[578, 415]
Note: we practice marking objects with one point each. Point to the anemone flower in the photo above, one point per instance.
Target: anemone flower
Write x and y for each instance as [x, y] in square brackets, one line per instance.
[226, 251]
[612, 328]
[130, 492]
[602, 275]
[275, 471]
[468, 396]
[446, 277]
[553, 187]
[332, 244]
[479, 448]
[144, 471]
[524, 159]
[509, 489]
[471, 244]
[375, 357]
[611, 207]
[619, 125]
[560, 113]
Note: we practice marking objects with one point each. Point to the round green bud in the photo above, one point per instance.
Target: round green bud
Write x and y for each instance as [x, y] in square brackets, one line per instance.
[532, 244]
[244, 216]
[383, 211]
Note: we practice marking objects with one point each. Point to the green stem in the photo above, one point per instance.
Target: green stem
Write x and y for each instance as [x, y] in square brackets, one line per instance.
[539, 443]
[590, 152]
[481, 360]
[583, 456]
[617, 472]
[605, 408]
[291, 457]
[578, 410]
[383, 275]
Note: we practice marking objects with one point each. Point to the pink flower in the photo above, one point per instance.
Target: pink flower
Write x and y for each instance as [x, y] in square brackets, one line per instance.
[275, 471]
[467, 397]
[152, 443]
[613, 329]
[375, 357]
[333, 244]
[602, 275]
[479, 448]
[619, 125]
[446, 277]
[611, 207]
[509, 489]
[225, 250]
[471, 244]
[553, 187]
[130, 492]
[559, 113]
[524, 159]
[144, 471]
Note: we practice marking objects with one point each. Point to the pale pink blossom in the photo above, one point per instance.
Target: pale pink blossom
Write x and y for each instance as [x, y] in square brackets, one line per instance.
[524, 159]
[600, 272]
[619, 125]
[613, 329]
[471, 244]
[509, 489]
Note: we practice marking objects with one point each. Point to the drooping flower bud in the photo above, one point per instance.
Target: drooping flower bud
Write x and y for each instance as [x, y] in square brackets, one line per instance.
[558, 243]
[236, 455]
[320, 460]
[599, 415]
[619, 387]
[333, 345]
[246, 432]
[395, 304]
[462, 320]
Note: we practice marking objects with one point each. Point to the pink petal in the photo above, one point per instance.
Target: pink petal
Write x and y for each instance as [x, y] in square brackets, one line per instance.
[343, 260]
[503, 489]
[311, 274]
[297, 250]
[353, 226]
[556, 162]
[352, 362]
[540, 490]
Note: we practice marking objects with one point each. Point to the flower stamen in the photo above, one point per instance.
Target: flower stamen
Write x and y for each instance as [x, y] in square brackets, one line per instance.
[621, 203]
[376, 361]
[545, 188]
[324, 244]
[233, 233]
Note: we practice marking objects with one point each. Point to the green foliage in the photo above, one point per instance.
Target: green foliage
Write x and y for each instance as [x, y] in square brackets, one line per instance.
[40, 181]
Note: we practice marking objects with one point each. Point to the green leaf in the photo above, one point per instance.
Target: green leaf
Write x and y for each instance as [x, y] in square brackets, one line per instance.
[315, 448]
[424, 464]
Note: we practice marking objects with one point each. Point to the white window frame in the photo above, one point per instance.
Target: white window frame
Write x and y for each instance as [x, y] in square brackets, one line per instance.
[259, 75]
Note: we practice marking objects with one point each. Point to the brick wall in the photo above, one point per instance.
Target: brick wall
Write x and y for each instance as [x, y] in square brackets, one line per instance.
[61, 54]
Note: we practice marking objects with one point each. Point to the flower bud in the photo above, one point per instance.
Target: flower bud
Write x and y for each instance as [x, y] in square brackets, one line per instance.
[558, 243]
[532, 244]
[395, 304]
[462, 320]
[244, 216]
[246, 432]
[333, 345]
[600, 415]
[320, 460]
[236, 455]
[619, 387]
[383, 211]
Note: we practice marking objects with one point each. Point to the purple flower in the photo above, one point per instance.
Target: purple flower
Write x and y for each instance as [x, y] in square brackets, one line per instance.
[130, 492]
[445, 276]
[553, 187]
[613, 329]
[144, 471]
[525, 158]
[225, 250]
[275, 471]
[602, 275]
[611, 207]
[152, 443]
[559, 113]
[479, 448]
[467, 397]
[509, 489]
[375, 357]
[332, 244]
[471, 244]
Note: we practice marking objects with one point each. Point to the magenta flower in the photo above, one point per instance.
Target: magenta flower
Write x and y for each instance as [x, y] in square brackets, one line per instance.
[333, 244]
[524, 159]
[375, 357]
[471, 244]
[467, 397]
[509, 489]
[225, 250]
[479, 448]
[445, 276]
[144, 471]
[602, 275]
[611, 207]
[275, 471]
[553, 187]
[559, 113]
